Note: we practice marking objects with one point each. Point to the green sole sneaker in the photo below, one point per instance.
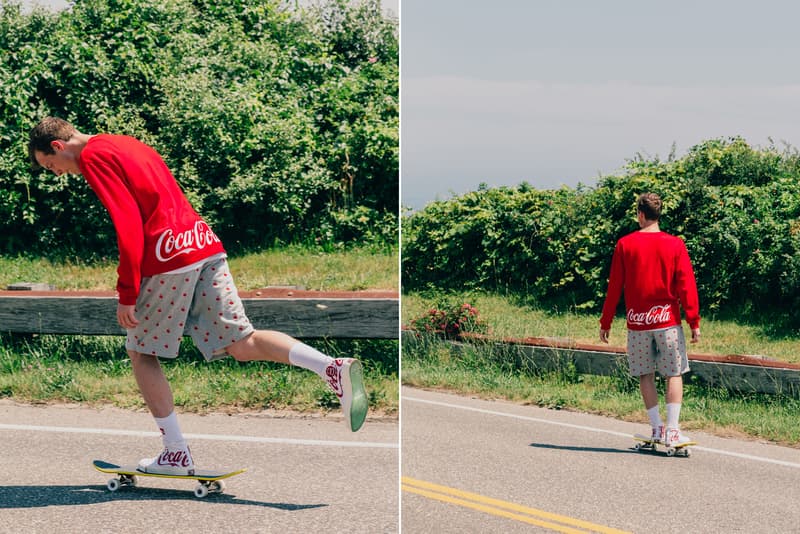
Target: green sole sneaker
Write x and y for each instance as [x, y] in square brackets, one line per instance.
[354, 399]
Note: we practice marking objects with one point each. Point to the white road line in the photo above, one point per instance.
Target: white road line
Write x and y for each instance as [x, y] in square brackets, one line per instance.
[214, 437]
[600, 430]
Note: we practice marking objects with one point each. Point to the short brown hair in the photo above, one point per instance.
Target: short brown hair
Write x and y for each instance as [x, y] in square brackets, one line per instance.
[48, 130]
[650, 205]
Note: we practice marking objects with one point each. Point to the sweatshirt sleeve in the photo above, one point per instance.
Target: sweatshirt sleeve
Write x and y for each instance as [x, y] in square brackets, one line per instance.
[109, 185]
[615, 283]
[687, 288]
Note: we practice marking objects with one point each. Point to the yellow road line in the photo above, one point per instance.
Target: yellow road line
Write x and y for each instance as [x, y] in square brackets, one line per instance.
[494, 511]
[505, 509]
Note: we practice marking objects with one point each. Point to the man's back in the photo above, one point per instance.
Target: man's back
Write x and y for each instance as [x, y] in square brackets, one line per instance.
[654, 270]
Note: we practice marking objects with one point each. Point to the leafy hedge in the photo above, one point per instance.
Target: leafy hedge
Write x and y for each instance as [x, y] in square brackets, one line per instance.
[281, 125]
[737, 207]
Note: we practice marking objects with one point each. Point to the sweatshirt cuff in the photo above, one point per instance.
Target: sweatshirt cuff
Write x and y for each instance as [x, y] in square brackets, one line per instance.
[127, 299]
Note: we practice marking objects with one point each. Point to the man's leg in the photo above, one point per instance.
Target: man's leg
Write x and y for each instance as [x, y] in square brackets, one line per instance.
[674, 363]
[674, 400]
[344, 375]
[674, 389]
[152, 383]
[176, 457]
[217, 314]
[264, 345]
[641, 363]
[647, 386]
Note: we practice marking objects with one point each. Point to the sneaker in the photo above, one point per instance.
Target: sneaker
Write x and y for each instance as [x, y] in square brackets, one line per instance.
[175, 459]
[346, 379]
[674, 438]
[657, 435]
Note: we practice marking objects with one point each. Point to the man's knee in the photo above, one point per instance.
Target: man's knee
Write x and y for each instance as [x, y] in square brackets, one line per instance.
[240, 350]
[138, 357]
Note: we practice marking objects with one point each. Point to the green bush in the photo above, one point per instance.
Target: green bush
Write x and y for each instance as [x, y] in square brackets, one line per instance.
[277, 122]
[736, 207]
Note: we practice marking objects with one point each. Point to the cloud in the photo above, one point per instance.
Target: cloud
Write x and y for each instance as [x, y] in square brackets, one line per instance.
[458, 132]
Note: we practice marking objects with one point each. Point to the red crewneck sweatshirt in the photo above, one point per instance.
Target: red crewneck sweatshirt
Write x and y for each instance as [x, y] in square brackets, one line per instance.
[654, 270]
[158, 231]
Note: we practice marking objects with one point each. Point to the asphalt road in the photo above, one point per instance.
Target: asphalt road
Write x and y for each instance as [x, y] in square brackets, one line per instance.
[470, 465]
[303, 474]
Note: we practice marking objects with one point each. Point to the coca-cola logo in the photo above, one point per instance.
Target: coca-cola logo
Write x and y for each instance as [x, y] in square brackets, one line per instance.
[334, 374]
[656, 315]
[170, 245]
[174, 458]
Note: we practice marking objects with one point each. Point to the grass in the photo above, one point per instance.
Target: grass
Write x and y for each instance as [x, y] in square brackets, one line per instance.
[490, 372]
[508, 318]
[95, 369]
[328, 271]
[343, 270]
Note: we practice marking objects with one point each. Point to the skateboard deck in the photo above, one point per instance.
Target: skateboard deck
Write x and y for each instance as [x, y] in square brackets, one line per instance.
[646, 443]
[128, 475]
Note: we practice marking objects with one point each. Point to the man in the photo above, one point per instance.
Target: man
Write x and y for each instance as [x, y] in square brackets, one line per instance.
[654, 270]
[174, 278]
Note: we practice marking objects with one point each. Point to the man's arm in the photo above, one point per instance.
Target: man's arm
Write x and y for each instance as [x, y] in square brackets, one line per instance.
[687, 292]
[615, 284]
[126, 315]
[107, 183]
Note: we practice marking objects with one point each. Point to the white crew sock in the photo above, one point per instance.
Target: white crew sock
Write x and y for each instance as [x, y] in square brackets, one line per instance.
[655, 417]
[170, 430]
[673, 414]
[309, 358]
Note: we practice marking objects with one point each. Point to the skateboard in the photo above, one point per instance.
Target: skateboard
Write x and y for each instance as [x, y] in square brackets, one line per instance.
[646, 444]
[128, 475]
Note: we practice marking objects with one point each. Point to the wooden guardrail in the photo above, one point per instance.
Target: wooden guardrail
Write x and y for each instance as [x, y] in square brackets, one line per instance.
[733, 372]
[301, 314]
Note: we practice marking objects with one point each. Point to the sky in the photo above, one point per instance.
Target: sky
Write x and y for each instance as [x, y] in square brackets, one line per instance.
[560, 92]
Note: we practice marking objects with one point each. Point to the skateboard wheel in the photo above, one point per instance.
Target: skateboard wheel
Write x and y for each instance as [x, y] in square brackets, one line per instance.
[113, 484]
[218, 486]
[670, 452]
[200, 491]
[638, 446]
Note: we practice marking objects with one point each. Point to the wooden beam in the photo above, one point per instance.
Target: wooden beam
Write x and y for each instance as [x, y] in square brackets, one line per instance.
[372, 318]
[755, 376]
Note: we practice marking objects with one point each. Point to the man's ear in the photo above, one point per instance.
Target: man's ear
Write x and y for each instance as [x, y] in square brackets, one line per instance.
[57, 144]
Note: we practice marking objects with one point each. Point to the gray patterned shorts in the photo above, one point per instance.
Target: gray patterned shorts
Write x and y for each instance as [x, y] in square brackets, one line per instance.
[202, 302]
[663, 350]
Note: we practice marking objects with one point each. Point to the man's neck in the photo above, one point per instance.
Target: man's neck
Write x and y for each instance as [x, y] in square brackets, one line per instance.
[650, 226]
[77, 143]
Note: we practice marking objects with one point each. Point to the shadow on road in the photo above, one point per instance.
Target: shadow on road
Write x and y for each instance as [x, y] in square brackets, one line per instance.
[41, 496]
[581, 449]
